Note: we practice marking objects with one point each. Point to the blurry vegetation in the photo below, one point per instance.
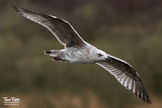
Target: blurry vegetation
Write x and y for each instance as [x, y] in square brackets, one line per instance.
[131, 30]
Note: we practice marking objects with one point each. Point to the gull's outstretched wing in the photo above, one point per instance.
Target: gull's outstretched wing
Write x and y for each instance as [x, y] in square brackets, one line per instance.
[126, 76]
[60, 28]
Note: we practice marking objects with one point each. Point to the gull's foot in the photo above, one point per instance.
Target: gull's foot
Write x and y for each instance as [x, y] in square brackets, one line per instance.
[57, 58]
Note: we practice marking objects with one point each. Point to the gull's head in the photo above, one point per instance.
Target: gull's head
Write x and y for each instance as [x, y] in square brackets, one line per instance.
[101, 55]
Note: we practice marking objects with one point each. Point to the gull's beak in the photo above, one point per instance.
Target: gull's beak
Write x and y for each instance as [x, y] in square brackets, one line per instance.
[108, 58]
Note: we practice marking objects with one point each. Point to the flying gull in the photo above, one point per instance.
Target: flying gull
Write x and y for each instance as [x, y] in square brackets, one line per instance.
[76, 50]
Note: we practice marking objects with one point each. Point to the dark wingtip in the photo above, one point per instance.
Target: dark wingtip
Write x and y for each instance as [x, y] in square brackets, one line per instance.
[14, 8]
[149, 101]
[146, 98]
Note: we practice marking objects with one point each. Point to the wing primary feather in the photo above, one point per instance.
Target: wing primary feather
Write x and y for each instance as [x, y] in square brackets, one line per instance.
[60, 28]
[127, 76]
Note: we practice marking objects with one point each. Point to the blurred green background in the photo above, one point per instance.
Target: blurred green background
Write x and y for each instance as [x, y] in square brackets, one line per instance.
[128, 29]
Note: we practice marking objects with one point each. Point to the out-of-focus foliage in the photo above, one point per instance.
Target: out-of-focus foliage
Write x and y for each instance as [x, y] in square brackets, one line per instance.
[129, 29]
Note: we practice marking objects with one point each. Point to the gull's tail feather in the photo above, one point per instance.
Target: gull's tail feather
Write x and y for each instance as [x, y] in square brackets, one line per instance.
[47, 52]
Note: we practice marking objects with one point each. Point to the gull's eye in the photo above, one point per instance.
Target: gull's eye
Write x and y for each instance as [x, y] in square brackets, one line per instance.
[99, 54]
